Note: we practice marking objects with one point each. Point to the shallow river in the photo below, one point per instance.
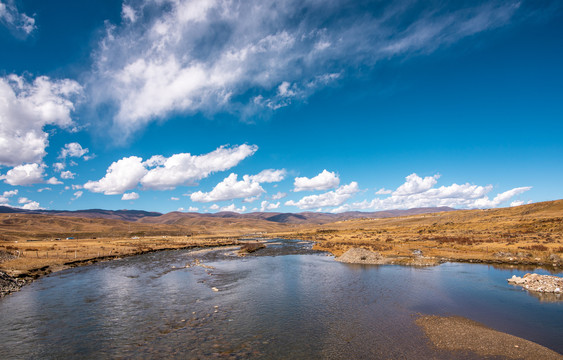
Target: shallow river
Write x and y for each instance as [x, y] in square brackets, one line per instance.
[282, 302]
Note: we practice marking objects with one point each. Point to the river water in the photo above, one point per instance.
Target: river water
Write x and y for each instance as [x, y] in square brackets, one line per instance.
[283, 302]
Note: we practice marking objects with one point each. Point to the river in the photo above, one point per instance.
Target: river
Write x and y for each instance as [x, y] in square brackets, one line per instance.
[283, 302]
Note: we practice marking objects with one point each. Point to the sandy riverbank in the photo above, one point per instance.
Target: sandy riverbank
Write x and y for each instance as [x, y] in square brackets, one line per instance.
[461, 335]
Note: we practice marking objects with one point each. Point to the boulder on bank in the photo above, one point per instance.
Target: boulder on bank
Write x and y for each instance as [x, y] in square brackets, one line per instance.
[539, 283]
[9, 284]
[361, 256]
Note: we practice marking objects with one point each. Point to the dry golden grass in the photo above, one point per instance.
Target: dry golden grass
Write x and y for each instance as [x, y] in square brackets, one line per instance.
[529, 234]
[60, 253]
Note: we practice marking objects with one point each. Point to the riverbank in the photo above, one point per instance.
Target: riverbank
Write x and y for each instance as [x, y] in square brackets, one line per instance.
[458, 334]
[29, 261]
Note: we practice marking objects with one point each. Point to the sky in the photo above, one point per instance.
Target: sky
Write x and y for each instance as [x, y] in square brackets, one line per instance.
[283, 106]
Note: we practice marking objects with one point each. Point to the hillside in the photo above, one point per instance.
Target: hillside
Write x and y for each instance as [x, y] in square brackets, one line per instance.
[525, 234]
[173, 217]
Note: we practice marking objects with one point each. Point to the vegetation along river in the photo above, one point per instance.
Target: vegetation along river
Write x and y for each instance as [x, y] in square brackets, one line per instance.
[282, 302]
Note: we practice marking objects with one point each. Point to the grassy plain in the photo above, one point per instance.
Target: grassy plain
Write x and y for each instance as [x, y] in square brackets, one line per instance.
[530, 234]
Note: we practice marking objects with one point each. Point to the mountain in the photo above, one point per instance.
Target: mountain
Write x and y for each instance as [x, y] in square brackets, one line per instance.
[204, 219]
[125, 215]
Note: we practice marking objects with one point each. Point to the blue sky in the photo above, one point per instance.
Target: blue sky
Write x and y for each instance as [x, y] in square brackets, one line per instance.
[280, 106]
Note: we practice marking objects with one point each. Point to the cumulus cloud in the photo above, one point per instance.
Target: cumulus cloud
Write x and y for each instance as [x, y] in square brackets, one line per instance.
[193, 209]
[265, 206]
[26, 108]
[59, 166]
[54, 181]
[6, 195]
[161, 173]
[214, 207]
[332, 198]
[29, 204]
[32, 205]
[72, 150]
[420, 192]
[230, 188]
[324, 181]
[191, 56]
[269, 176]
[186, 169]
[130, 196]
[20, 24]
[174, 198]
[233, 208]
[44, 189]
[383, 191]
[414, 184]
[121, 176]
[279, 195]
[26, 174]
[67, 175]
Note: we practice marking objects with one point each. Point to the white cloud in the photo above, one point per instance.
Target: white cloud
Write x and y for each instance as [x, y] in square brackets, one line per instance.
[72, 150]
[251, 199]
[214, 207]
[188, 56]
[76, 187]
[230, 188]
[128, 13]
[332, 198]
[121, 176]
[59, 166]
[77, 195]
[324, 181]
[174, 198]
[186, 169]
[269, 176]
[383, 191]
[180, 209]
[25, 109]
[5, 197]
[29, 204]
[130, 196]
[419, 192]
[517, 203]
[279, 195]
[32, 205]
[44, 189]
[415, 184]
[26, 174]
[193, 209]
[67, 175]
[19, 23]
[265, 206]
[233, 208]
[54, 181]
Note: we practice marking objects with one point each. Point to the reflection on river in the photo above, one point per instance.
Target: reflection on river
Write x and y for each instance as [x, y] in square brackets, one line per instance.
[285, 301]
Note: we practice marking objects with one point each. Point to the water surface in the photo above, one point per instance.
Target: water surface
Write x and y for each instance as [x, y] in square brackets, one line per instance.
[282, 302]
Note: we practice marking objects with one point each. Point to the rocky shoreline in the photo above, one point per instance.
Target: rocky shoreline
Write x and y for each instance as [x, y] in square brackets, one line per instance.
[539, 283]
[12, 283]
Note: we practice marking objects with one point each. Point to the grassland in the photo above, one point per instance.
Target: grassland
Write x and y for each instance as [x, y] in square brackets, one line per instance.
[31, 245]
[530, 234]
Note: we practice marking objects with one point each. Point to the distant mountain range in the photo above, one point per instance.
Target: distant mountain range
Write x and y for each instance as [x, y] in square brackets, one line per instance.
[182, 218]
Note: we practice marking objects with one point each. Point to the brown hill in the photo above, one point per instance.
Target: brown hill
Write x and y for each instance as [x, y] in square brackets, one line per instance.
[173, 217]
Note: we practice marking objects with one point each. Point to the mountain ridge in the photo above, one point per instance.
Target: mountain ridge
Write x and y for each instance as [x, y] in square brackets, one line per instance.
[185, 217]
